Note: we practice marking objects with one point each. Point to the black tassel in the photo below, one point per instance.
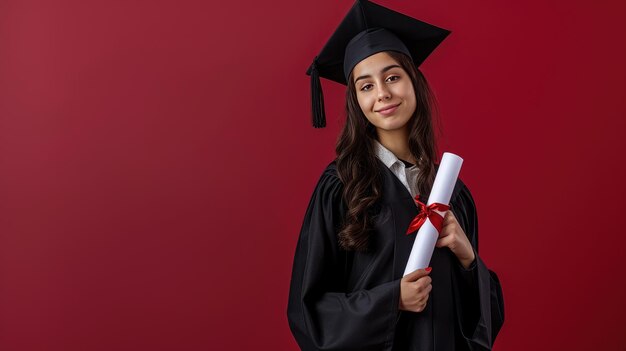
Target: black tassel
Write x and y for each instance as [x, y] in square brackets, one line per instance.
[317, 98]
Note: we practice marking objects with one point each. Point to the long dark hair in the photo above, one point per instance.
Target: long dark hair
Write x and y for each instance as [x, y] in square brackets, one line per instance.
[356, 159]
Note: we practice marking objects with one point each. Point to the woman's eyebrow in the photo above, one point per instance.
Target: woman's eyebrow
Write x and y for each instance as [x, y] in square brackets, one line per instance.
[381, 71]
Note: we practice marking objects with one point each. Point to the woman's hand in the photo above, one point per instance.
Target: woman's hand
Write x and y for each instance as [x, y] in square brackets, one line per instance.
[414, 289]
[453, 237]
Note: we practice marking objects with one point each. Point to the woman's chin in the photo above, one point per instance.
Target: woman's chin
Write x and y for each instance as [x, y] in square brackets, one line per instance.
[391, 123]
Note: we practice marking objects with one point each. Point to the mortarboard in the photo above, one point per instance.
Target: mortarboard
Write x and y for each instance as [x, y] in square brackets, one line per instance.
[368, 28]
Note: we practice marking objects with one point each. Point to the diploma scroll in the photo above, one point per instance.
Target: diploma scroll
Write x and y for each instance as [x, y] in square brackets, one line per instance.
[441, 192]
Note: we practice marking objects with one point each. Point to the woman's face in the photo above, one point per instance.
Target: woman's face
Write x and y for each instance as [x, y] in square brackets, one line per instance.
[384, 91]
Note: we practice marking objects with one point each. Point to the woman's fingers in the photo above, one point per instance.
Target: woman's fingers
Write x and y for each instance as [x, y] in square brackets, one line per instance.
[422, 282]
[447, 240]
[427, 290]
[422, 298]
[449, 216]
[416, 275]
[414, 290]
[422, 287]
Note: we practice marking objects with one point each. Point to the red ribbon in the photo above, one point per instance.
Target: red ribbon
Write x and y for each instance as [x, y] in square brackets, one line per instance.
[427, 212]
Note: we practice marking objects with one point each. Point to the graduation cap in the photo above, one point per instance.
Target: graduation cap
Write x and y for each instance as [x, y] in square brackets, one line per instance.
[368, 28]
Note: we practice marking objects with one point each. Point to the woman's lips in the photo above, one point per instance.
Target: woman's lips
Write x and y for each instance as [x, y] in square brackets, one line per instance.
[388, 111]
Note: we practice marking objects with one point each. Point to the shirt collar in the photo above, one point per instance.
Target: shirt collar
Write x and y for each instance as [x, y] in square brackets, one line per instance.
[385, 155]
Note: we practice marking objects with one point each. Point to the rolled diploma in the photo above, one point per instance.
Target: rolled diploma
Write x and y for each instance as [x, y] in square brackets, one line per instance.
[427, 234]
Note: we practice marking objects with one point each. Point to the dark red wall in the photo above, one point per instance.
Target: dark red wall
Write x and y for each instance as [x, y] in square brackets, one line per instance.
[157, 157]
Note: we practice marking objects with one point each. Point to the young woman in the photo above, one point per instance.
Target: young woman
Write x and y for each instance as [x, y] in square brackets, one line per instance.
[347, 290]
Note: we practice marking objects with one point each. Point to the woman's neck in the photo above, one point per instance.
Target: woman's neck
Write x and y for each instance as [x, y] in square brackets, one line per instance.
[397, 141]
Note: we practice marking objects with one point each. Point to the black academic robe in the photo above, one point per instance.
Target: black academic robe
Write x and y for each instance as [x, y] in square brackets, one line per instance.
[346, 300]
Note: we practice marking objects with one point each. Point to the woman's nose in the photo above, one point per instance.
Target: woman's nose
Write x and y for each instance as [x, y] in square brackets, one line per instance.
[383, 92]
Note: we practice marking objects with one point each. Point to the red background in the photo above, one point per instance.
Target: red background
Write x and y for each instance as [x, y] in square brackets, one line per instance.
[156, 160]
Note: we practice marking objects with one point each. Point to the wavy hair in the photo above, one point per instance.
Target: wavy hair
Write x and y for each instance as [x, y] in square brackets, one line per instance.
[358, 168]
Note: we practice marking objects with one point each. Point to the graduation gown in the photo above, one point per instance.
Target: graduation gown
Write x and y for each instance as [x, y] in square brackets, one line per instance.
[346, 300]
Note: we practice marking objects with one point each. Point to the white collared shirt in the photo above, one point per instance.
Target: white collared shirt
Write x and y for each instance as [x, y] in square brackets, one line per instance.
[407, 175]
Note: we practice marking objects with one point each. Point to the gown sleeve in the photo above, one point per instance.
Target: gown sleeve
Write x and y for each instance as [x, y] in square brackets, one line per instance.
[322, 315]
[478, 293]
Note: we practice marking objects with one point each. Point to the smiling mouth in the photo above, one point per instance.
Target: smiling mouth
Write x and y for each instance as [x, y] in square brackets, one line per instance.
[388, 109]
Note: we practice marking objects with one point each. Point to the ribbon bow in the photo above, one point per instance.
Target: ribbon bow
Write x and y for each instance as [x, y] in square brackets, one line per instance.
[429, 212]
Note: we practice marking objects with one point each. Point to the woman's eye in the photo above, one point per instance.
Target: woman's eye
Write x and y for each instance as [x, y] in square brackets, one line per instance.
[392, 78]
[365, 86]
